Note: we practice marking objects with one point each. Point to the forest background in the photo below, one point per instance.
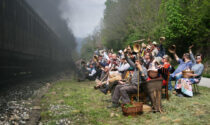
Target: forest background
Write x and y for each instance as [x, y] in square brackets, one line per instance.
[182, 22]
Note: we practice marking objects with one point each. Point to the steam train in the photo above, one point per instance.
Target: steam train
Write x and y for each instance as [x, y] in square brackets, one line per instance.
[27, 44]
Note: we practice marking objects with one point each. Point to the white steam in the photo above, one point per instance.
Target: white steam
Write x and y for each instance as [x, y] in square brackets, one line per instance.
[82, 16]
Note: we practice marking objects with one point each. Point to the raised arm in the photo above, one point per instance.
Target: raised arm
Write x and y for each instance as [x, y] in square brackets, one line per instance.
[130, 61]
[176, 57]
[143, 71]
[191, 55]
[123, 67]
[106, 56]
[192, 58]
[173, 51]
[162, 50]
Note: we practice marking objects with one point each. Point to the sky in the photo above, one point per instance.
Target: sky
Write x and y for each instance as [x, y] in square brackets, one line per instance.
[82, 16]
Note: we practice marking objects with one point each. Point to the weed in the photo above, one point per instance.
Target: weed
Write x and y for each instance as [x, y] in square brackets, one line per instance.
[82, 105]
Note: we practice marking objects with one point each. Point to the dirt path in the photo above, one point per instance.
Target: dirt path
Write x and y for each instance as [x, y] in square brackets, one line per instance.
[205, 82]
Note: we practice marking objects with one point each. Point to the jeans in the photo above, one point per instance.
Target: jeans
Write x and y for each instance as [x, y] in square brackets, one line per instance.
[171, 78]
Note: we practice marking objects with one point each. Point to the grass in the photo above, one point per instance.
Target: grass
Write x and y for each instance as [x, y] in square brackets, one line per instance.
[82, 105]
[207, 75]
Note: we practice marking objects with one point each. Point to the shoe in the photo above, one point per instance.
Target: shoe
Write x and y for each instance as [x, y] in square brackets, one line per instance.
[174, 92]
[107, 100]
[96, 87]
[180, 95]
[105, 91]
[114, 105]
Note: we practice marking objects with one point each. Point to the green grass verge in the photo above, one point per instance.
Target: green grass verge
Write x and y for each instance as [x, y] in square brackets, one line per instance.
[82, 105]
[206, 75]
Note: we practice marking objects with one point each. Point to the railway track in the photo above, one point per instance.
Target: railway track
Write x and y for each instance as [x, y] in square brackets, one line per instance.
[16, 96]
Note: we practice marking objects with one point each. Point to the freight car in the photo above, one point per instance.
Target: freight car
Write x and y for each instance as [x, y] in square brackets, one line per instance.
[27, 43]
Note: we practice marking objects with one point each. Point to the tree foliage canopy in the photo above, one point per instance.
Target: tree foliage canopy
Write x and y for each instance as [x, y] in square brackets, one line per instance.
[182, 22]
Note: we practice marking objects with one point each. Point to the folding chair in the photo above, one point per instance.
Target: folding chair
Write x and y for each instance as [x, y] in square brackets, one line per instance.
[196, 88]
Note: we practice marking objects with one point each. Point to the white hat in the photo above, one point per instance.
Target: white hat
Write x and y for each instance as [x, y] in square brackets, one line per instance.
[154, 42]
[162, 38]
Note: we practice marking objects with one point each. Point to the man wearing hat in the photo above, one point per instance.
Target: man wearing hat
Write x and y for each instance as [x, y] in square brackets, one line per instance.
[161, 49]
[143, 49]
[124, 89]
[120, 54]
[154, 49]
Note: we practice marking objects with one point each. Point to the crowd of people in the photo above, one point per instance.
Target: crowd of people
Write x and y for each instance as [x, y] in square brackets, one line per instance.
[121, 73]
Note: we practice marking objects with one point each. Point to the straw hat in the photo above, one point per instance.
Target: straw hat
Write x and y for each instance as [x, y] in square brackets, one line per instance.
[162, 38]
[154, 43]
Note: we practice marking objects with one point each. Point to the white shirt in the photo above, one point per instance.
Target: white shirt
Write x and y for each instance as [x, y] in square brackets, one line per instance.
[123, 67]
[155, 52]
[93, 72]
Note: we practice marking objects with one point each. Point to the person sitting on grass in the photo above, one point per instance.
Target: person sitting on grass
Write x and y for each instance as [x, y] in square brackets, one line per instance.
[109, 79]
[92, 72]
[112, 81]
[184, 63]
[122, 90]
[103, 78]
[184, 85]
[82, 71]
[123, 66]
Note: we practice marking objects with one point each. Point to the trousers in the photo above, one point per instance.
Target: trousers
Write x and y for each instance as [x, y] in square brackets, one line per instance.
[123, 91]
